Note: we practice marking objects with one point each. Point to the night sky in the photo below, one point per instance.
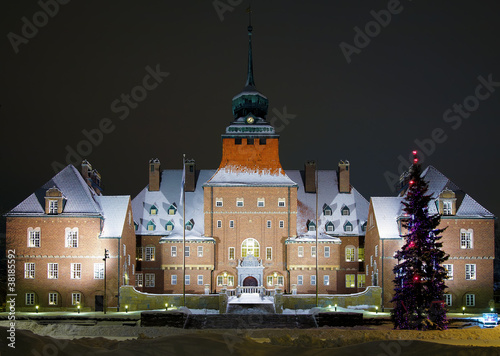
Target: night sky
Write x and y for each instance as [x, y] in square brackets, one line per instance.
[397, 89]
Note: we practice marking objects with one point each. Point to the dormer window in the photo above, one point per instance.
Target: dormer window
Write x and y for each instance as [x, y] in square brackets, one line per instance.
[169, 226]
[327, 211]
[348, 227]
[151, 226]
[189, 225]
[153, 210]
[345, 211]
[363, 226]
[53, 201]
[172, 209]
[53, 206]
[447, 207]
[329, 227]
[136, 226]
[311, 226]
[447, 202]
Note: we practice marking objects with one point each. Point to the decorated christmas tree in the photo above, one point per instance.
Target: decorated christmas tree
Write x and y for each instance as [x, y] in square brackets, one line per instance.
[419, 275]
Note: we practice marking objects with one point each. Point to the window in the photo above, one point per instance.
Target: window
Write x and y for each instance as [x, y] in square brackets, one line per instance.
[72, 237]
[250, 247]
[326, 280]
[262, 141]
[200, 280]
[138, 280]
[187, 280]
[149, 253]
[371, 261]
[220, 281]
[136, 226]
[361, 254]
[173, 251]
[187, 251]
[348, 227]
[282, 224]
[313, 280]
[76, 271]
[138, 254]
[465, 238]
[53, 206]
[150, 280]
[172, 209]
[151, 226]
[250, 141]
[189, 225]
[376, 250]
[327, 251]
[169, 226]
[173, 279]
[350, 280]
[470, 271]
[200, 251]
[268, 224]
[327, 211]
[53, 271]
[239, 202]
[53, 298]
[449, 270]
[311, 226]
[34, 237]
[329, 227]
[301, 251]
[281, 202]
[345, 211]
[361, 281]
[76, 298]
[30, 298]
[281, 280]
[231, 224]
[231, 253]
[237, 141]
[269, 253]
[300, 280]
[219, 223]
[218, 202]
[349, 254]
[230, 281]
[99, 271]
[470, 300]
[448, 299]
[29, 270]
[261, 202]
[153, 210]
[124, 250]
[447, 207]
[269, 280]
[313, 251]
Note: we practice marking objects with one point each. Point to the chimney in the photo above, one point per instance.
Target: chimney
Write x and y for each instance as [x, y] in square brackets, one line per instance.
[310, 177]
[343, 177]
[86, 169]
[154, 175]
[190, 182]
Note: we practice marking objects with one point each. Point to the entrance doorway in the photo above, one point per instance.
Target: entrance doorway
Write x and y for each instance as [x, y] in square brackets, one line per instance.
[99, 303]
[250, 282]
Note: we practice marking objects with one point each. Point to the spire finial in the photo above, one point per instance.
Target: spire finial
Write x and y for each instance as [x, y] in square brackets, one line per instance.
[250, 81]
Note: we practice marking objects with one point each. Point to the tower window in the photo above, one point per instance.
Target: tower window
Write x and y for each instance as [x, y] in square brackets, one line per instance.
[249, 141]
[262, 141]
[237, 141]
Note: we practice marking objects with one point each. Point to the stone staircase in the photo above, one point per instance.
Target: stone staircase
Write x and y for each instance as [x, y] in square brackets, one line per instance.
[250, 321]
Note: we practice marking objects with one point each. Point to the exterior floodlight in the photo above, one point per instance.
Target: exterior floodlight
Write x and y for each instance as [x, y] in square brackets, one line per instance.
[166, 306]
[463, 310]
[335, 307]
[126, 308]
[78, 307]
[36, 309]
[376, 309]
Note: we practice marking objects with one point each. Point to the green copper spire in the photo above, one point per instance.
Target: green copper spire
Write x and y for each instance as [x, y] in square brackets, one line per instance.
[250, 81]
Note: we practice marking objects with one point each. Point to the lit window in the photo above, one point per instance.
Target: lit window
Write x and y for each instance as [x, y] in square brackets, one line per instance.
[268, 224]
[172, 209]
[231, 224]
[153, 210]
[218, 202]
[239, 202]
[313, 251]
[465, 238]
[149, 253]
[447, 207]
[327, 251]
[269, 253]
[269, 280]
[151, 226]
[200, 251]
[138, 254]
[173, 279]
[282, 224]
[72, 237]
[281, 280]
[220, 281]
[349, 254]
[448, 299]
[138, 280]
[200, 280]
[350, 280]
[301, 251]
[361, 254]
[34, 237]
[231, 253]
[53, 298]
[76, 271]
[169, 226]
[313, 280]
[345, 211]
[470, 271]
[173, 251]
[187, 251]
[361, 281]
[261, 202]
[230, 281]
[53, 271]
[29, 270]
[187, 279]
[76, 298]
[281, 202]
[149, 280]
[376, 250]
[219, 223]
[470, 300]
[300, 280]
[98, 270]
[53, 206]
[250, 247]
[30, 298]
[449, 270]
[326, 280]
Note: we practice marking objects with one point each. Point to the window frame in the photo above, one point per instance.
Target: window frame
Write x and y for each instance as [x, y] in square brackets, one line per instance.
[29, 270]
[350, 280]
[246, 249]
[219, 224]
[261, 202]
[449, 271]
[448, 299]
[199, 251]
[187, 251]
[53, 298]
[326, 280]
[198, 280]
[173, 279]
[281, 203]
[269, 253]
[149, 280]
[466, 239]
[350, 254]
[72, 237]
[240, 202]
[231, 253]
[219, 202]
[29, 298]
[300, 251]
[76, 271]
[312, 280]
[282, 224]
[471, 274]
[361, 280]
[300, 280]
[326, 252]
[34, 237]
[173, 251]
[149, 253]
[98, 270]
[139, 280]
[76, 298]
[187, 280]
[470, 300]
[52, 270]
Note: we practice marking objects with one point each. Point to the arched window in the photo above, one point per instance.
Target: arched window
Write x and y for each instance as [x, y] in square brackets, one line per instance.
[250, 247]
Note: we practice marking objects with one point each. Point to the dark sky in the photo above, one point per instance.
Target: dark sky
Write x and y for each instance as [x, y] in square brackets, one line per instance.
[395, 91]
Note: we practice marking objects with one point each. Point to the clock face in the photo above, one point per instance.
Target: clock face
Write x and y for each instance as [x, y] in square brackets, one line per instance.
[250, 120]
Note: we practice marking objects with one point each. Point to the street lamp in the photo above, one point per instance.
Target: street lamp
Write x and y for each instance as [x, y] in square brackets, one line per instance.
[36, 309]
[463, 310]
[126, 308]
[106, 256]
[78, 307]
[376, 309]
[166, 306]
[335, 307]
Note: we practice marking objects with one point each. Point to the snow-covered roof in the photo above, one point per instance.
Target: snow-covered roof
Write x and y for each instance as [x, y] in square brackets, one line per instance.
[115, 214]
[387, 210]
[310, 236]
[78, 198]
[236, 176]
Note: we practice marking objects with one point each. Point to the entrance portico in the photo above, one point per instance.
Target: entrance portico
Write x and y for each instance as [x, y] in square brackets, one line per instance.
[250, 271]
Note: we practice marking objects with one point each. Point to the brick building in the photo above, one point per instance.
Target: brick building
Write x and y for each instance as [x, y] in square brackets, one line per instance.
[59, 234]
[250, 222]
[469, 239]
